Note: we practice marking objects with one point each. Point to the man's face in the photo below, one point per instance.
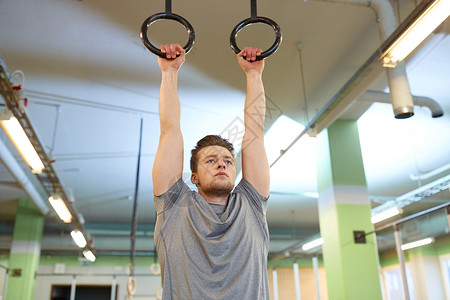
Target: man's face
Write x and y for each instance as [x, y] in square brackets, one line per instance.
[216, 172]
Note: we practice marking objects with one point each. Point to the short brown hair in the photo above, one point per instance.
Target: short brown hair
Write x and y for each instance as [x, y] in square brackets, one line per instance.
[209, 140]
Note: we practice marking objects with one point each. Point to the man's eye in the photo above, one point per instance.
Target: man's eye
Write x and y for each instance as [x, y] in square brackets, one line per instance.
[228, 162]
[210, 161]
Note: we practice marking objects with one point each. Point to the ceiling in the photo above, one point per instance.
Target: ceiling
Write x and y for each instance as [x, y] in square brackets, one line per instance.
[90, 81]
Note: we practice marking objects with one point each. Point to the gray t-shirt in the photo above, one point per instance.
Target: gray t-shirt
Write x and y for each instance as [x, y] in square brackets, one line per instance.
[209, 251]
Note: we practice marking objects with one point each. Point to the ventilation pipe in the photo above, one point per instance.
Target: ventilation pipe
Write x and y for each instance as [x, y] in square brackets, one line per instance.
[374, 96]
[16, 171]
[402, 101]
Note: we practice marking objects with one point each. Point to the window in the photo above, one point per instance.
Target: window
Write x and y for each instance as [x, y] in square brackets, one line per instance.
[447, 269]
[393, 282]
[82, 292]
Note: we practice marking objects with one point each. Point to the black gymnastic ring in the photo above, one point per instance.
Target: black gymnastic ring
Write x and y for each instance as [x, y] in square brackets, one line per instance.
[249, 21]
[150, 20]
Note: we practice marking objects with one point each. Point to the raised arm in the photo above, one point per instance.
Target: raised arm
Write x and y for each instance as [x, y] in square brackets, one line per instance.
[255, 167]
[168, 165]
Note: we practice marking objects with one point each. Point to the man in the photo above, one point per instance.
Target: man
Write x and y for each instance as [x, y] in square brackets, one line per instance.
[212, 244]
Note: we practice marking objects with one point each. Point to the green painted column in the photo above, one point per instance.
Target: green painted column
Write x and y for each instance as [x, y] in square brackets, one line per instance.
[344, 207]
[25, 251]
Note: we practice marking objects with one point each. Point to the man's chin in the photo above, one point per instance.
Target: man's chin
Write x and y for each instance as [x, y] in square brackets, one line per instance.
[224, 189]
[220, 189]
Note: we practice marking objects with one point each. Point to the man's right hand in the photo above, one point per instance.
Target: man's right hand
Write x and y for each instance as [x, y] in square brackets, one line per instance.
[172, 62]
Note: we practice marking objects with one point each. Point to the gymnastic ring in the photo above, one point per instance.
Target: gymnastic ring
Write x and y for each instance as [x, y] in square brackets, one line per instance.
[249, 21]
[155, 269]
[158, 292]
[131, 286]
[153, 18]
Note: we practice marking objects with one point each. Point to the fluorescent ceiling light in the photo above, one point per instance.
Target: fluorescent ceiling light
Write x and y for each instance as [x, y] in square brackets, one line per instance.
[20, 140]
[79, 239]
[61, 209]
[428, 21]
[388, 208]
[312, 244]
[417, 243]
[89, 255]
[386, 214]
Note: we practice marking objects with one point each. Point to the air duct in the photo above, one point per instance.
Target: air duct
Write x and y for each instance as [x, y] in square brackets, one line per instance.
[374, 96]
[402, 101]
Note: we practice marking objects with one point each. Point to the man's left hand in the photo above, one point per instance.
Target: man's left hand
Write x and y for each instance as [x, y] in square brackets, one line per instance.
[247, 60]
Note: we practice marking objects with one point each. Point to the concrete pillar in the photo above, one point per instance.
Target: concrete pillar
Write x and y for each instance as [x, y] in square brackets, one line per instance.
[344, 208]
[25, 251]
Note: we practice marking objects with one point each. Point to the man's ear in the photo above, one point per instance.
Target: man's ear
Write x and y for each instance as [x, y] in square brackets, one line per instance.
[194, 178]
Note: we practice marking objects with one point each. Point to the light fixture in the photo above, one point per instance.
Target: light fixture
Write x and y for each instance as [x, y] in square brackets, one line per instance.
[385, 214]
[60, 207]
[89, 255]
[428, 21]
[427, 190]
[418, 194]
[79, 239]
[313, 244]
[20, 140]
[417, 243]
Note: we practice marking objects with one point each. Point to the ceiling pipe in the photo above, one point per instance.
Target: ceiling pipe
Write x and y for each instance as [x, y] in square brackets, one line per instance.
[430, 174]
[16, 171]
[375, 96]
[10, 185]
[402, 101]
[355, 86]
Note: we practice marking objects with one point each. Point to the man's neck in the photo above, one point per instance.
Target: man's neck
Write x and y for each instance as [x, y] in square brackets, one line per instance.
[215, 199]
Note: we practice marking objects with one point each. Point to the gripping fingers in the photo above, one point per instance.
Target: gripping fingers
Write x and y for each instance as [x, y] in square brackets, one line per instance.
[250, 53]
[171, 50]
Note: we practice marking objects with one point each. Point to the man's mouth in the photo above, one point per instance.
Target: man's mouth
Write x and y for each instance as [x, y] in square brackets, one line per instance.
[221, 174]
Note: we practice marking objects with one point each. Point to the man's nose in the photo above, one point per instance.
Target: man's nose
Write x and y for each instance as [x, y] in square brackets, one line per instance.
[221, 165]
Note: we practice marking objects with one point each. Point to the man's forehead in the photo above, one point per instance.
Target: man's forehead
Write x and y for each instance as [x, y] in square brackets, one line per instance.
[214, 151]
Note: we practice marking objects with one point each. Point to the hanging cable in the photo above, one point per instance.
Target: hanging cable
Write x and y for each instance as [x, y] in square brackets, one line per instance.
[131, 283]
[155, 267]
[300, 47]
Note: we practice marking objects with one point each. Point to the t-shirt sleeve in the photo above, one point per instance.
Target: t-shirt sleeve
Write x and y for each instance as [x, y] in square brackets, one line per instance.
[257, 200]
[170, 197]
